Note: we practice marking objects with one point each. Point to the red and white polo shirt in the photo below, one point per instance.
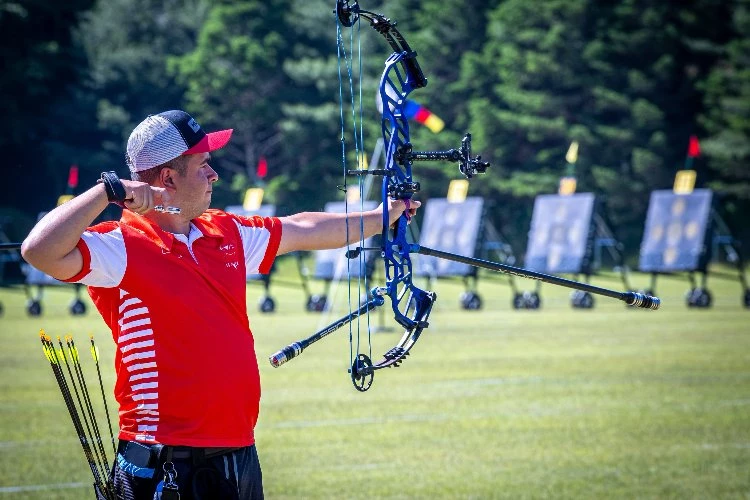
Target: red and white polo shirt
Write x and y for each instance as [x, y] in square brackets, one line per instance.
[186, 367]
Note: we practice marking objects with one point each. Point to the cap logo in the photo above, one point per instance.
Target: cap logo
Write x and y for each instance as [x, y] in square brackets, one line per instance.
[194, 125]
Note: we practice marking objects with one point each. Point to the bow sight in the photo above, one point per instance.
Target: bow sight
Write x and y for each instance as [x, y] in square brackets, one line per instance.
[467, 165]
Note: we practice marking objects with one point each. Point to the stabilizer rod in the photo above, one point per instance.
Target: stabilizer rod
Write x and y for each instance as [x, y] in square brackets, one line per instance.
[634, 299]
[295, 349]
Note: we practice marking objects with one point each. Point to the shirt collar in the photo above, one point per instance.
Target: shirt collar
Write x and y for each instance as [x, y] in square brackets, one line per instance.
[163, 238]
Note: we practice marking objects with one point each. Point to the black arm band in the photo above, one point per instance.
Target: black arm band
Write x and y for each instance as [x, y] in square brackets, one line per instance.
[114, 187]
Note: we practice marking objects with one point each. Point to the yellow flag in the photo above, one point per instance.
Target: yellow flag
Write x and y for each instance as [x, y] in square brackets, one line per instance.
[63, 198]
[684, 182]
[363, 164]
[572, 155]
[457, 190]
[253, 199]
[567, 185]
[434, 123]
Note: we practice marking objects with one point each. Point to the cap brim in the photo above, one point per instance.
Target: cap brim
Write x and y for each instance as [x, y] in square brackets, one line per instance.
[212, 142]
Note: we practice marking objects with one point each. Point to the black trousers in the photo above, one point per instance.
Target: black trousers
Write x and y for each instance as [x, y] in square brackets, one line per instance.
[138, 473]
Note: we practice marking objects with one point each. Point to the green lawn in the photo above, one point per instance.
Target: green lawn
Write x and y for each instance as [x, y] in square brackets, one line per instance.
[498, 403]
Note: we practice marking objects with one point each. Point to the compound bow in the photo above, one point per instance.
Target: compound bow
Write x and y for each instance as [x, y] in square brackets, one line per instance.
[411, 305]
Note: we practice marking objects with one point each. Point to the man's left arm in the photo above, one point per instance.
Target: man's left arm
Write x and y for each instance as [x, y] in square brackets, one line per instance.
[323, 230]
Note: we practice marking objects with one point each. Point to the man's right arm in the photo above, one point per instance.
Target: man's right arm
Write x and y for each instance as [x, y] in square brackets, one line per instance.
[51, 244]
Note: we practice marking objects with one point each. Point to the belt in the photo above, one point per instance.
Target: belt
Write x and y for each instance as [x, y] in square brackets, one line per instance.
[182, 452]
[144, 455]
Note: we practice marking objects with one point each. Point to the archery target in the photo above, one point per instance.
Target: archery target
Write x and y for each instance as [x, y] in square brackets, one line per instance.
[562, 234]
[333, 264]
[677, 231]
[450, 227]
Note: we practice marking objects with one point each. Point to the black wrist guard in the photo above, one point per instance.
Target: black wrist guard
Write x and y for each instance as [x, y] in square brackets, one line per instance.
[114, 187]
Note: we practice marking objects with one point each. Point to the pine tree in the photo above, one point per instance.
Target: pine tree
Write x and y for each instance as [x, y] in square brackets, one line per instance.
[42, 64]
[727, 121]
[621, 79]
[128, 44]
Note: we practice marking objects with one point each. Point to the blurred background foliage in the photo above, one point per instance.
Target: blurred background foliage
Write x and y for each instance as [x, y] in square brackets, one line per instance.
[629, 80]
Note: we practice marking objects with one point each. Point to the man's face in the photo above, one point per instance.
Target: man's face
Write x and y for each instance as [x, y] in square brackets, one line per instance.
[193, 190]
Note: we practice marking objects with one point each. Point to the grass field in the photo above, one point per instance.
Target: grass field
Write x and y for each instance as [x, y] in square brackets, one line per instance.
[555, 403]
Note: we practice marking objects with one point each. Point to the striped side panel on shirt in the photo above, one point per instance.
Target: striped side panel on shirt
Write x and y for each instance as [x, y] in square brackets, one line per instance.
[136, 345]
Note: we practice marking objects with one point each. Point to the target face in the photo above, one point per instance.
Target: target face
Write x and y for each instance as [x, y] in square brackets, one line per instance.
[562, 234]
[676, 233]
[450, 227]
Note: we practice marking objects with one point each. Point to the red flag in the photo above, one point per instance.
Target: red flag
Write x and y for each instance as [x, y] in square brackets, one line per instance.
[694, 149]
[73, 176]
[262, 169]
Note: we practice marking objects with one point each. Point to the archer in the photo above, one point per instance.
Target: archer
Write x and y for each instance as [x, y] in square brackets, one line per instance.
[168, 278]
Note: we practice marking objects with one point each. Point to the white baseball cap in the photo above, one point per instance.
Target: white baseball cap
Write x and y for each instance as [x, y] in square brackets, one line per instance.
[163, 137]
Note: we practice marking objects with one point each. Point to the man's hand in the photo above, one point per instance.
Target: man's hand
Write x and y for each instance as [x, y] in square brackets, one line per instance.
[398, 207]
[142, 197]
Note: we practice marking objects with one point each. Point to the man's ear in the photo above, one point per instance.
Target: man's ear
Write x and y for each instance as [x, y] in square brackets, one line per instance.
[166, 176]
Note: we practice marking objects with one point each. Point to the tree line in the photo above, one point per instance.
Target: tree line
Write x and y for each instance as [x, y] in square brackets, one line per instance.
[630, 81]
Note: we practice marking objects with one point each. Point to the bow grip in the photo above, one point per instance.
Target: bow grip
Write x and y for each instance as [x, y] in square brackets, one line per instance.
[400, 226]
[289, 352]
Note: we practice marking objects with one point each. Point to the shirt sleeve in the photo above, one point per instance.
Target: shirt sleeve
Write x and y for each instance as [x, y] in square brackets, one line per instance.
[104, 259]
[260, 241]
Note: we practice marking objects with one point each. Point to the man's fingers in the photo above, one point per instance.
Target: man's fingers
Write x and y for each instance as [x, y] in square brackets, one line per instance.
[139, 201]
